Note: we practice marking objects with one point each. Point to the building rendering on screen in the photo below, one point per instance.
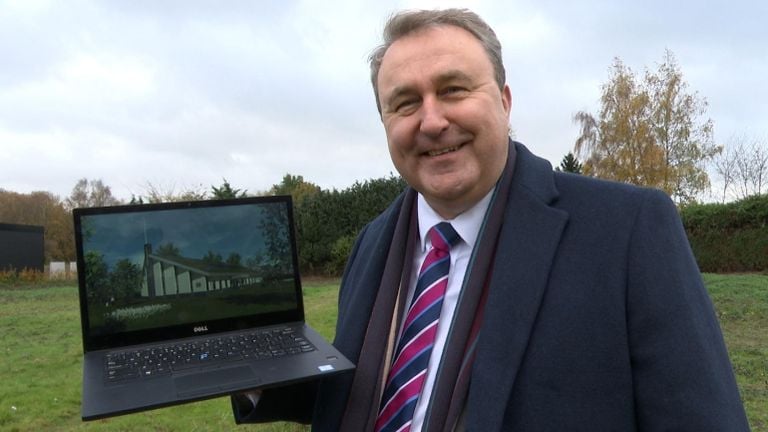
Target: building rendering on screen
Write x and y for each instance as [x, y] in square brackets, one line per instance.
[176, 275]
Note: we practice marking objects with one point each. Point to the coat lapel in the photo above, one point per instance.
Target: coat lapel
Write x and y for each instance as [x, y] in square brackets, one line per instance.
[528, 243]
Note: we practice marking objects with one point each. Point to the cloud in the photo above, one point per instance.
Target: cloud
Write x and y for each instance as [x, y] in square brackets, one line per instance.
[185, 93]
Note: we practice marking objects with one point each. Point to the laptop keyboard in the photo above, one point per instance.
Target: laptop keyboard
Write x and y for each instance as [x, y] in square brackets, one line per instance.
[162, 360]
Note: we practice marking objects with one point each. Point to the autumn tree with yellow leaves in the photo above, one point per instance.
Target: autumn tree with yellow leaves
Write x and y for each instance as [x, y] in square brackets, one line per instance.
[649, 132]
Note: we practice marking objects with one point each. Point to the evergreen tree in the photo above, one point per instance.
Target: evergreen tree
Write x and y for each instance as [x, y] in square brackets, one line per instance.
[225, 191]
[570, 164]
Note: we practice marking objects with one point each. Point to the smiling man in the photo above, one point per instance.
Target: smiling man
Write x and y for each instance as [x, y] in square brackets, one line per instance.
[445, 116]
[497, 295]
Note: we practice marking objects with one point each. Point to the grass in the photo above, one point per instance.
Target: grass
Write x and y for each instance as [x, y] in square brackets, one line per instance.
[40, 369]
[41, 342]
[741, 302]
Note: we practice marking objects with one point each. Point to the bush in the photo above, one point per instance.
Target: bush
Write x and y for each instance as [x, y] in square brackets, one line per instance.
[327, 222]
[729, 237]
[22, 277]
[339, 254]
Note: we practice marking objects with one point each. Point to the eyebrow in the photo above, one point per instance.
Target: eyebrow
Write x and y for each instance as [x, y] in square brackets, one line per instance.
[444, 77]
[452, 75]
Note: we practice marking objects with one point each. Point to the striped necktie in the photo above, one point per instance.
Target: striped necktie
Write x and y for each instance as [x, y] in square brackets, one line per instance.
[409, 368]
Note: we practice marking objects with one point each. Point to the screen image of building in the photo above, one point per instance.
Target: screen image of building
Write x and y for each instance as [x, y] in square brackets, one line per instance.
[177, 275]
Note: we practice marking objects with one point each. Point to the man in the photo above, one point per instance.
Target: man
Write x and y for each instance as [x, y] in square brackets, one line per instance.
[569, 303]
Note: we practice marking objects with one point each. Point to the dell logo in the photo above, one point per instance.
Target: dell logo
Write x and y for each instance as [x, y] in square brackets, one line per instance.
[200, 329]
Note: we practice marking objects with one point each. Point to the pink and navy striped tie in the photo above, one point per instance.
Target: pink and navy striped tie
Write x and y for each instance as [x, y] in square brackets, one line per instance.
[409, 368]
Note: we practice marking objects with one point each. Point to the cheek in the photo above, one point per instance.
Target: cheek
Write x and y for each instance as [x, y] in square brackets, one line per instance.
[399, 137]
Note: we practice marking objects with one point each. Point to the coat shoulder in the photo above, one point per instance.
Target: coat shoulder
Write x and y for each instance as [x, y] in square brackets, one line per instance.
[578, 192]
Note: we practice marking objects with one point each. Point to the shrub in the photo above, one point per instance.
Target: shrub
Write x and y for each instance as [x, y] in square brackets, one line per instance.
[729, 237]
[327, 222]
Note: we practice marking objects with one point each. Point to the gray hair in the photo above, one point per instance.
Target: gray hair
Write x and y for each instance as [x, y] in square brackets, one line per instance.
[407, 22]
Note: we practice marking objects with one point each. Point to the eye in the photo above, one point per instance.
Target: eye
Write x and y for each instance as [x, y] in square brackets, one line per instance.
[453, 91]
[406, 105]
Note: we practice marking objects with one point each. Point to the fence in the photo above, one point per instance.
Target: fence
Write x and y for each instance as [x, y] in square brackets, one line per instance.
[61, 270]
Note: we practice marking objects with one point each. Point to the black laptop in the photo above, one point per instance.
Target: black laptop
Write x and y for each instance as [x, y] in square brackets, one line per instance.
[191, 300]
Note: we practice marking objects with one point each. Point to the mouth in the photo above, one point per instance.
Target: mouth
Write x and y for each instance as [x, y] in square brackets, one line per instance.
[439, 152]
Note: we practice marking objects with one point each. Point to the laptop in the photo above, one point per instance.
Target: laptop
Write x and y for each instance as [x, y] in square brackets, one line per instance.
[186, 301]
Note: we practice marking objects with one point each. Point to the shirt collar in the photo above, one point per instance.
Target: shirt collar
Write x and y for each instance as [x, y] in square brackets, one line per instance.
[467, 224]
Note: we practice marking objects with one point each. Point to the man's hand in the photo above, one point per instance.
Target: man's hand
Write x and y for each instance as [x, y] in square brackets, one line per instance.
[246, 401]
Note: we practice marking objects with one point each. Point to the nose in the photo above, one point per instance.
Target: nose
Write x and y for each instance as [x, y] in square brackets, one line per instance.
[433, 120]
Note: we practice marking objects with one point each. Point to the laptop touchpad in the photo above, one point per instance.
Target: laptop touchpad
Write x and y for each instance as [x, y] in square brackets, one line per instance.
[216, 380]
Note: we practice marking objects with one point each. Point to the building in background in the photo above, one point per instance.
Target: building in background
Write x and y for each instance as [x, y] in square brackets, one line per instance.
[22, 247]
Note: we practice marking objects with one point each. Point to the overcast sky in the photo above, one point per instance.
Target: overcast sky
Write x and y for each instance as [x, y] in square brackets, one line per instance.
[181, 94]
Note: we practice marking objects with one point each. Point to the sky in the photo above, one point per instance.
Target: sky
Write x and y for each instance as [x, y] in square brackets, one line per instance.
[179, 95]
[195, 232]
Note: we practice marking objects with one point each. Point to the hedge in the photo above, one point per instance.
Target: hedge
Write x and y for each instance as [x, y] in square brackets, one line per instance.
[328, 222]
[729, 237]
[725, 238]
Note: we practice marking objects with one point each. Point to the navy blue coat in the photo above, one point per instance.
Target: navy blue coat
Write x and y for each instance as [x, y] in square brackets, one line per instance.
[597, 318]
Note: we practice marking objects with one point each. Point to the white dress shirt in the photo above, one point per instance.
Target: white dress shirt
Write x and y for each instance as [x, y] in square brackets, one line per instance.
[467, 225]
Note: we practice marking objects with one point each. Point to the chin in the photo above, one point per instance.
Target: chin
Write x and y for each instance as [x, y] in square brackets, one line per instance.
[447, 194]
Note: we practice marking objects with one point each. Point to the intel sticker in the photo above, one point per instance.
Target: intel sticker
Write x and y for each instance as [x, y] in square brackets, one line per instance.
[325, 368]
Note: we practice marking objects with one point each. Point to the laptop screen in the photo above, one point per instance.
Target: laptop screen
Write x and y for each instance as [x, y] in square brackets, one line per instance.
[161, 271]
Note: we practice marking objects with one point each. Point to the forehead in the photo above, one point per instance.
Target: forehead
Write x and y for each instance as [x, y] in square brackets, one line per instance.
[432, 50]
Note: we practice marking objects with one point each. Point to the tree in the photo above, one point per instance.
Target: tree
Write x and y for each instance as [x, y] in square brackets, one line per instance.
[136, 200]
[225, 191]
[750, 160]
[570, 164]
[154, 193]
[168, 249]
[742, 167]
[125, 280]
[276, 259]
[93, 193]
[614, 143]
[213, 258]
[234, 259]
[686, 143]
[46, 210]
[649, 132]
[96, 276]
[725, 167]
[296, 187]
[59, 232]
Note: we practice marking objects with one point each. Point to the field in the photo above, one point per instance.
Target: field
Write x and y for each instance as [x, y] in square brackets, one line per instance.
[742, 307]
[40, 368]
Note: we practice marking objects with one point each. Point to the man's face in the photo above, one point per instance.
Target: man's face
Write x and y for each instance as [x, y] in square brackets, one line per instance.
[445, 117]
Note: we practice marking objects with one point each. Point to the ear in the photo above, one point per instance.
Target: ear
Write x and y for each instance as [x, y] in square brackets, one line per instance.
[506, 99]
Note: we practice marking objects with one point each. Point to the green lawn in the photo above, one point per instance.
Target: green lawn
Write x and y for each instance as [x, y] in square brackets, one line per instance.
[742, 307]
[40, 341]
